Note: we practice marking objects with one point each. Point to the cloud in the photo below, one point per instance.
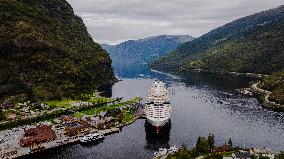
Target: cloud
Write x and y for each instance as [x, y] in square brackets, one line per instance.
[113, 21]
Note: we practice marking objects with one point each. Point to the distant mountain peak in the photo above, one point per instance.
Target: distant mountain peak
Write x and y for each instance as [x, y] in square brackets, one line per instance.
[143, 51]
[181, 38]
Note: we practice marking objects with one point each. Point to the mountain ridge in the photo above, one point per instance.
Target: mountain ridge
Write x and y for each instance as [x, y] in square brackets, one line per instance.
[195, 54]
[143, 51]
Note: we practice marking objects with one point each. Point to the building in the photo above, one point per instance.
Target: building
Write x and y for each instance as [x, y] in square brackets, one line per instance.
[37, 135]
[225, 148]
[262, 152]
[241, 155]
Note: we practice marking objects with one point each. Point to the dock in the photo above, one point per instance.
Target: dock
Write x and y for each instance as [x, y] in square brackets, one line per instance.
[14, 150]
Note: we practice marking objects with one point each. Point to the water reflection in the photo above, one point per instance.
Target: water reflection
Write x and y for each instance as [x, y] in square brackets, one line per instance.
[91, 144]
[106, 90]
[160, 140]
[202, 104]
[224, 82]
[132, 71]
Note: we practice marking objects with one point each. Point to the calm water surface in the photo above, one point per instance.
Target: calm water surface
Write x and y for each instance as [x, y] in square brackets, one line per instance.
[202, 104]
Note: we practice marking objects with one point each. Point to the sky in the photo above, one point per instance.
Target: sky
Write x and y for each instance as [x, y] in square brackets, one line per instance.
[115, 21]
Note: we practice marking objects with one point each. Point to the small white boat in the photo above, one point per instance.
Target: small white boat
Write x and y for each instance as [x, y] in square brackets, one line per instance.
[173, 149]
[161, 152]
[1, 140]
[92, 137]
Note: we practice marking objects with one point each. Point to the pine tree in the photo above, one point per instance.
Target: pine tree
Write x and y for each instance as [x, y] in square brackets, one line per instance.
[230, 142]
[198, 140]
[202, 146]
[2, 116]
[211, 141]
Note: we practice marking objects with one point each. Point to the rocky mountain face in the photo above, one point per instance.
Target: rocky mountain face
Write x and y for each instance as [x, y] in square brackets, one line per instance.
[46, 51]
[250, 44]
[143, 51]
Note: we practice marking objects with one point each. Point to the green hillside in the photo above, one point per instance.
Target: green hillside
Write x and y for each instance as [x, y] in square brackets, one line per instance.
[275, 84]
[251, 44]
[46, 51]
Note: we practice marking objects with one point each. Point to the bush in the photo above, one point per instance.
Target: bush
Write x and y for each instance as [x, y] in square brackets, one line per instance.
[279, 155]
[2, 115]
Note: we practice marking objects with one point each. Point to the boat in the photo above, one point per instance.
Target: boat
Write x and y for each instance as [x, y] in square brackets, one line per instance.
[164, 151]
[1, 140]
[92, 137]
[157, 107]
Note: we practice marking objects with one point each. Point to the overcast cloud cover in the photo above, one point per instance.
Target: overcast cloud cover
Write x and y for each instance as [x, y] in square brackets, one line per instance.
[114, 21]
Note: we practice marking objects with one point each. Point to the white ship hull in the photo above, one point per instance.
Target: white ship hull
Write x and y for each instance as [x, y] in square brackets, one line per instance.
[157, 123]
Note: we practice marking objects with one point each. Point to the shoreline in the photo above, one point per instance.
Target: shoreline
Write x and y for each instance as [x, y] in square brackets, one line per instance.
[253, 89]
[13, 146]
[62, 140]
[248, 74]
[265, 94]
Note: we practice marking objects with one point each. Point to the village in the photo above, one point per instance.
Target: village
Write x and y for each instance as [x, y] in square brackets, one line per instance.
[103, 115]
[219, 152]
[205, 148]
[223, 152]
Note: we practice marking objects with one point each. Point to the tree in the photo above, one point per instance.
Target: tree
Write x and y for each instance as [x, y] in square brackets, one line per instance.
[211, 141]
[253, 157]
[279, 155]
[202, 146]
[230, 143]
[2, 115]
[263, 157]
[183, 146]
[198, 140]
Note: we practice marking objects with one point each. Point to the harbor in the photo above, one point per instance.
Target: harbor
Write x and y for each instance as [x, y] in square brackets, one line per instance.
[14, 150]
[29, 139]
[196, 101]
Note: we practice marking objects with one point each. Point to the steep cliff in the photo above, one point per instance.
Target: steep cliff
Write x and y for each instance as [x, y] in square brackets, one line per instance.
[46, 51]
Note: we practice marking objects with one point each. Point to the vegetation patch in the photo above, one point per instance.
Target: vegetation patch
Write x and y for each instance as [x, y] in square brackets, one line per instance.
[127, 117]
[65, 103]
[275, 84]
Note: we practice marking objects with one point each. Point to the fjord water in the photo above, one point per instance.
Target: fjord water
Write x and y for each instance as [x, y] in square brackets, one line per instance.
[202, 104]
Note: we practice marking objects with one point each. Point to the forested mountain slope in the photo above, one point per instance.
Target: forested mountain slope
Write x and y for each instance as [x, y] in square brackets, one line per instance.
[251, 44]
[46, 51]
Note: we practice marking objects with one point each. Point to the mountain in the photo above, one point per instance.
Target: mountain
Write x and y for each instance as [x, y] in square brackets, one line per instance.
[143, 51]
[46, 51]
[250, 44]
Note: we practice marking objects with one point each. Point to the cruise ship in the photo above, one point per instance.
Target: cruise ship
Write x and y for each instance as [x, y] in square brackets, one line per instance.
[157, 107]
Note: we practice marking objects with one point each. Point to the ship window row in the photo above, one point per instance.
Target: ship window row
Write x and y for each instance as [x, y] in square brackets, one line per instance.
[156, 112]
[159, 108]
[159, 117]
